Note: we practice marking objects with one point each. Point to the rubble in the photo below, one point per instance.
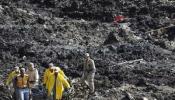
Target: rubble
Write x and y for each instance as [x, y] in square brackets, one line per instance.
[139, 65]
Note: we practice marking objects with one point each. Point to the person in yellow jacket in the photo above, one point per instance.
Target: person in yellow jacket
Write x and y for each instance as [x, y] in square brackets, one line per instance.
[47, 73]
[12, 75]
[10, 81]
[57, 83]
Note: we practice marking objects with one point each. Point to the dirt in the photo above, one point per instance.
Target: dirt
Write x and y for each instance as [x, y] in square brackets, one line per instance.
[136, 65]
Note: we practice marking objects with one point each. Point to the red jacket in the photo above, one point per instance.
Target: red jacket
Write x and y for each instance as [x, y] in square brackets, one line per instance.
[118, 18]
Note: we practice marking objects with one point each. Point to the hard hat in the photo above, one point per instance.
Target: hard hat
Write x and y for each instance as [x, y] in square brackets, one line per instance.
[87, 55]
[31, 66]
[23, 69]
[57, 69]
[16, 67]
[51, 65]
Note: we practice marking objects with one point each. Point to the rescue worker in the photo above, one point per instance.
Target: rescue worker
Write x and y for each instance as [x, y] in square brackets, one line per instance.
[57, 83]
[89, 70]
[22, 85]
[47, 73]
[10, 83]
[11, 76]
[118, 19]
[120, 22]
[123, 28]
[32, 72]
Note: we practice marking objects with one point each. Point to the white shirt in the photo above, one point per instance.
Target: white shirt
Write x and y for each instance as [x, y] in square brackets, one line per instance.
[33, 75]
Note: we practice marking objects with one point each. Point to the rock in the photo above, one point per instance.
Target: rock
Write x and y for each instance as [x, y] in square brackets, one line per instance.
[128, 96]
[112, 47]
[40, 20]
[144, 98]
[39, 31]
[141, 82]
[152, 87]
[4, 93]
[38, 93]
[112, 38]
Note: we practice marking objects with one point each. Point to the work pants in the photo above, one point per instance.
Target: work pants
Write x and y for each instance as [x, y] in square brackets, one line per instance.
[89, 80]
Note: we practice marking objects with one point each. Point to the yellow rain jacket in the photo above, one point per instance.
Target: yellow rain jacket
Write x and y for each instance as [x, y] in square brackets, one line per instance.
[48, 76]
[11, 76]
[61, 82]
[45, 78]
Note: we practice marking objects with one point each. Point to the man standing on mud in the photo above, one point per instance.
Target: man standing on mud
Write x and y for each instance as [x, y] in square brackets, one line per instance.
[22, 90]
[89, 72]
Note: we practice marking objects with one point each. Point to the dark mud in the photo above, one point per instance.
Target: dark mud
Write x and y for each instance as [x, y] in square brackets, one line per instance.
[139, 65]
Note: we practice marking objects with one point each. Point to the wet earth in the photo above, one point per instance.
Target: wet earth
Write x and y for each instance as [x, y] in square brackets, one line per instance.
[134, 66]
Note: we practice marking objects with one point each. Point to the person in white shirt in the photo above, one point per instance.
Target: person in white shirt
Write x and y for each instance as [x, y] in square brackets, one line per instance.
[32, 72]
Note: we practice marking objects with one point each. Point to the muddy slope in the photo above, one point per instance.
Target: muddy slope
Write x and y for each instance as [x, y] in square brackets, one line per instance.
[137, 65]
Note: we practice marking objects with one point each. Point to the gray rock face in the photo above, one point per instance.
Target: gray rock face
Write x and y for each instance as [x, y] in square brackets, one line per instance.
[136, 65]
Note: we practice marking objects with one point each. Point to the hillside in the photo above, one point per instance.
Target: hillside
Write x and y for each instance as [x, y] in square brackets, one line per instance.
[61, 31]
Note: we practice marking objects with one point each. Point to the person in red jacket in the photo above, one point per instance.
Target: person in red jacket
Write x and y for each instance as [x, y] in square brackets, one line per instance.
[118, 19]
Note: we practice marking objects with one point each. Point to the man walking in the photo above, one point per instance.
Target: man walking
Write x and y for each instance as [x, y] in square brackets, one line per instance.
[22, 85]
[47, 73]
[32, 72]
[89, 72]
[57, 83]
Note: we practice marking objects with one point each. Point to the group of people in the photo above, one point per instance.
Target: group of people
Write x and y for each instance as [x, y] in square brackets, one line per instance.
[54, 80]
[20, 82]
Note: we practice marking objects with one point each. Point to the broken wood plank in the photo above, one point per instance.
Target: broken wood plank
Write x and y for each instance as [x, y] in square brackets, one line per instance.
[131, 61]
